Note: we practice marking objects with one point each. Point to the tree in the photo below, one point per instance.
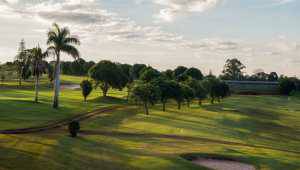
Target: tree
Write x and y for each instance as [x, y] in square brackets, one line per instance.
[169, 74]
[50, 71]
[145, 93]
[126, 69]
[179, 70]
[167, 89]
[87, 88]
[286, 85]
[233, 69]
[178, 94]
[38, 66]
[194, 73]
[273, 76]
[60, 40]
[149, 74]
[107, 75]
[136, 70]
[200, 92]
[188, 93]
[20, 61]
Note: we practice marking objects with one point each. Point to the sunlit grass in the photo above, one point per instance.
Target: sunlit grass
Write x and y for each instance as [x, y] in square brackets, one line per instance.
[260, 130]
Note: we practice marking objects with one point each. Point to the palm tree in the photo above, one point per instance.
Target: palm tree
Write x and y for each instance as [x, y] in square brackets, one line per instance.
[38, 66]
[60, 40]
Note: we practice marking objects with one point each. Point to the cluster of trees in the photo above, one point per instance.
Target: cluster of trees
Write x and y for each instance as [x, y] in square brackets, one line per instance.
[233, 70]
[78, 67]
[32, 62]
[147, 86]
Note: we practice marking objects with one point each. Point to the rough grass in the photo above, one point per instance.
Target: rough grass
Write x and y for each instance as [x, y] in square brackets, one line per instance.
[260, 130]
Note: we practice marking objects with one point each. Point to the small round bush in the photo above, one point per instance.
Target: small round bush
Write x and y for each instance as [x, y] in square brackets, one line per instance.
[74, 127]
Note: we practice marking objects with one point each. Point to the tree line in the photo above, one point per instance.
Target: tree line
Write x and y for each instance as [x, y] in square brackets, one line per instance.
[148, 86]
[145, 85]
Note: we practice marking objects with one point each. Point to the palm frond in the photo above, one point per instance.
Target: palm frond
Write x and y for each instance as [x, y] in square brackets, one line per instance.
[72, 40]
[71, 50]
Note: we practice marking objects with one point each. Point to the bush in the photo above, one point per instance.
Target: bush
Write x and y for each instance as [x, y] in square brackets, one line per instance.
[74, 128]
[87, 88]
[286, 86]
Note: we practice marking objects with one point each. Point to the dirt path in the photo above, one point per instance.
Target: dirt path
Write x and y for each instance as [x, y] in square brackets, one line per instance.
[223, 164]
[60, 123]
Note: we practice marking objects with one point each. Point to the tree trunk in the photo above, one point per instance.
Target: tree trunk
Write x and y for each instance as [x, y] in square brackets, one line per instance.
[146, 108]
[20, 79]
[200, 102]
[164, 106]
[179, 105]
[212, 100]
[188, 103]
[56, 82]
[36, 89]
[104, 89]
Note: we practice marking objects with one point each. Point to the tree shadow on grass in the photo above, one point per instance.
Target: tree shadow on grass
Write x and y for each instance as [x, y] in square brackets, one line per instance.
[111, 119]
[109, 100]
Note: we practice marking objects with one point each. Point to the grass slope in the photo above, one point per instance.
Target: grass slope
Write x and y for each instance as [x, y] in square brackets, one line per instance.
[261, 130]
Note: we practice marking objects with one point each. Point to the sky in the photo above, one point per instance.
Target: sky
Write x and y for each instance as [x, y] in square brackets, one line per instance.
[263, 34]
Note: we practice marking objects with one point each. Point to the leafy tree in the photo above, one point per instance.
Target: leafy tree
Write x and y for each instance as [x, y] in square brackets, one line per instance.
[167, 89]
[136, 70]
[286, 85]
[200, 91]
[147, 93]
[38, 66]
[215, 88]
[87, 88]
[169, 74]
[179, 70]
[60, 40]
[188, 93]
[178, 94]
[126, 69]
[108, 75]
[233, 70]
[149, 74]
[273, 76]
[20, 61]
[194, 73]
[183, 78]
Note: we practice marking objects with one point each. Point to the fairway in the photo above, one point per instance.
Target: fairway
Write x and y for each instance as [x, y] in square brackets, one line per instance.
[260, 130]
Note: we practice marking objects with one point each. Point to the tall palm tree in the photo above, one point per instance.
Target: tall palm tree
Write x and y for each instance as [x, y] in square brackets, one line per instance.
[38, 66]
[60, 40]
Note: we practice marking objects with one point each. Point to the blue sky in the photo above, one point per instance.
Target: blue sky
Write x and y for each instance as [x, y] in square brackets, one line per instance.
[263, 34]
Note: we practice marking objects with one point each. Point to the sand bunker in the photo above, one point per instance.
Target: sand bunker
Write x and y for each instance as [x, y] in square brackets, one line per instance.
[222, 164]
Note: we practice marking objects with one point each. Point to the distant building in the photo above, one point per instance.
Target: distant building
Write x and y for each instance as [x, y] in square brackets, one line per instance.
[253, 87]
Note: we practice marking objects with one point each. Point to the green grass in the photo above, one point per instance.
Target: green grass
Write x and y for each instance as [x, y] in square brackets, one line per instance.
[260, 130]
[18, 109]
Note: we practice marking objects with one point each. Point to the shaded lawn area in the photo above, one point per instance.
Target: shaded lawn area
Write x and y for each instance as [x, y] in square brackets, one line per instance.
[17, 109]
[112, 140]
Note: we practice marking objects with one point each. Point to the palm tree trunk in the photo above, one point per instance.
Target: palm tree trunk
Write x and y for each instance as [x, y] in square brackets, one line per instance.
[56, 82]
[36, 89]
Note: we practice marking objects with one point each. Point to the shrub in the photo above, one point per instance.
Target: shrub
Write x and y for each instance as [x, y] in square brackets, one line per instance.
[87, 88]
[74, 128]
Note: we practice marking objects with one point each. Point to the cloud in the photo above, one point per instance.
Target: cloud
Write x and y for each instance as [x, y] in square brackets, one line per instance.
[173, 8]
